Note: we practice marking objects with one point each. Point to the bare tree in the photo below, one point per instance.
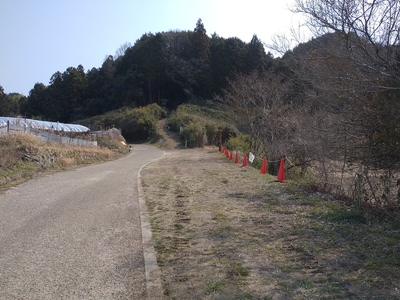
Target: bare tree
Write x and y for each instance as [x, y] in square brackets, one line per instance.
[277, 125]
[354, 79]
[121, 50]
[371, 29]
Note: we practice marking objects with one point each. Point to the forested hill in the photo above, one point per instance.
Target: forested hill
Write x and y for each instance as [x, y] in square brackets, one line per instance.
[332, 103]
[178, 66]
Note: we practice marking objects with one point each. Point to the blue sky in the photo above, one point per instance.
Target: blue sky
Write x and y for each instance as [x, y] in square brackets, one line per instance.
[41, 37]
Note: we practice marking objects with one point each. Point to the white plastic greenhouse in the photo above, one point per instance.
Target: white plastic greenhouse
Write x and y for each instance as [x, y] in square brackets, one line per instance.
[42, 125]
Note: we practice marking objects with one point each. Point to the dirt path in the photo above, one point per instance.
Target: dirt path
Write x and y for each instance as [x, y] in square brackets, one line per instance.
[223, 231]
[170, 139]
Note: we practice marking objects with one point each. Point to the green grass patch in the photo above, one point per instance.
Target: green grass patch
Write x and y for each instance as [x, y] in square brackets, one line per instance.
[221, 232]
[236, 269]
[215, 286]
[220, 217]
[346, 216]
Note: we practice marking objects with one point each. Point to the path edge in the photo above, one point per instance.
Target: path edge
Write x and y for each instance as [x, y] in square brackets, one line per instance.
[154, 288]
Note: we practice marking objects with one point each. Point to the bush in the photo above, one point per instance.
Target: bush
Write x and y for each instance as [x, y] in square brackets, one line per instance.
[201, 125]
[179, 119]
[239, 143]
[211, 133]
[140, 123]
[136, 124]
[194, 135]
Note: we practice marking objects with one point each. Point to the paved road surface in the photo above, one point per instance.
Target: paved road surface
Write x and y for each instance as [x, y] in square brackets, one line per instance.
[75, 234]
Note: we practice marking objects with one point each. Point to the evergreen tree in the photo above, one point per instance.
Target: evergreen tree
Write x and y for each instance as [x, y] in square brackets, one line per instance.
[201, 50]
[37, 105]
[14, 103]
[200, 41]
[3, 102]
[147, 56]
[256, 58]
[181, 73]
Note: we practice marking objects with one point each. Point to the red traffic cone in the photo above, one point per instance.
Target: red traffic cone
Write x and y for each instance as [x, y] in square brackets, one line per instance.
[227, 153]
[230, 155]
[223, 150]
[236, 158]
[281, 172]
[244, 160]
[264, 166]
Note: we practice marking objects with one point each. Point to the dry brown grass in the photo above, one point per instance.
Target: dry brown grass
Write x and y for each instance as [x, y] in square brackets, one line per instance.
[23, 156]
[226, 232]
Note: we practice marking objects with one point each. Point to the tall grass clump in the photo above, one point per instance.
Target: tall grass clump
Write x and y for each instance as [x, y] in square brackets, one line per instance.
[12, 148]
[13, 167]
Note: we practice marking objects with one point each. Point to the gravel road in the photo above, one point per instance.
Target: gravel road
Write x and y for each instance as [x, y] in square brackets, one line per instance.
[75, 234]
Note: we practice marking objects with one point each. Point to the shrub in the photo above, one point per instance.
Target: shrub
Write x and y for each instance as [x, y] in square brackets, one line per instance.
[136, 124]
[239, 143]
[140, 123]
[178, 120]
[194, 135]
[201, 125]
[211, 133]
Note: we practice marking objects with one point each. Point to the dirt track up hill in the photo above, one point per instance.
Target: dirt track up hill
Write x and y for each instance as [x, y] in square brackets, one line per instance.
[170, 139]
